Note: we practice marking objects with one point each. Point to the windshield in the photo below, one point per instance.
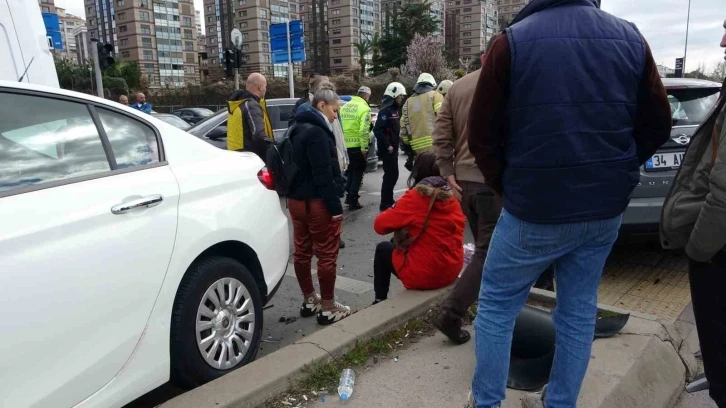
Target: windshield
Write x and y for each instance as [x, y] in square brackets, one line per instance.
[174, 121]
[202, 112]
[689, 106]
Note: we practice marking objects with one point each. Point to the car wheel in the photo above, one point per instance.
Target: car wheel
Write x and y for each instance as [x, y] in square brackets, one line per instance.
[216, 324]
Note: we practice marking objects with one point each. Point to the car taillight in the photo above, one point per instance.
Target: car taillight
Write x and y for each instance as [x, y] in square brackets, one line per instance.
[266, 178]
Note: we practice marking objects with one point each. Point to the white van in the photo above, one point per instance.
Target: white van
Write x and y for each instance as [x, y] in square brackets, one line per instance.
[25, 53]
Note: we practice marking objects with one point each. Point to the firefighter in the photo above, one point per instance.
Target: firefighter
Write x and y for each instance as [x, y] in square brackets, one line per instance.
[418, 116]
[355, 116]
[387, 131]
[444, 87]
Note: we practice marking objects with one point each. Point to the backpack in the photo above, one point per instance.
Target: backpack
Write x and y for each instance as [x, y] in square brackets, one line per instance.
[281, 162]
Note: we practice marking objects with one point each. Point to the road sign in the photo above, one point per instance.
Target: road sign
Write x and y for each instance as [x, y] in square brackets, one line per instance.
[279, 42]
[679, 67]
[236, 37]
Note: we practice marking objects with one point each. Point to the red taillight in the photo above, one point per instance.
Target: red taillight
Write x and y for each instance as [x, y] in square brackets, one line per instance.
[266, 178]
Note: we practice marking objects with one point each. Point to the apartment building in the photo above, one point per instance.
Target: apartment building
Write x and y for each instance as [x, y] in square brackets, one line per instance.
[470, 24]
[47, 6]
[253, 19]
[331, 46]
[198, 22]
[68, 23]
[83, 44]
[508, 9]
[159, 34]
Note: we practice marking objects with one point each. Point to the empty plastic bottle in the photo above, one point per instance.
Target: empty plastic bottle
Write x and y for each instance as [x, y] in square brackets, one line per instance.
[468, 253]
[345, 386]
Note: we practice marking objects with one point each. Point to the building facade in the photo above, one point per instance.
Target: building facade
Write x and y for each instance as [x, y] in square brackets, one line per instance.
[331, 45]
[508, 9]
[68, 24]
[47, 6]
[160, 35]
[470, 25]
[253, 19]
[83, 44]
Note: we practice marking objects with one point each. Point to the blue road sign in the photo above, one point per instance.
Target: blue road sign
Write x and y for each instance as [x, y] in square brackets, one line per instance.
[279, 42]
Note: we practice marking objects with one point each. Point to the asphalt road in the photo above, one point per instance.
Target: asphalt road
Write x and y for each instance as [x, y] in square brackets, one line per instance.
[354, 285]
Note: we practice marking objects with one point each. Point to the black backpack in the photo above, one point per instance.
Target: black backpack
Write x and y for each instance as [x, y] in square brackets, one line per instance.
[281, 162]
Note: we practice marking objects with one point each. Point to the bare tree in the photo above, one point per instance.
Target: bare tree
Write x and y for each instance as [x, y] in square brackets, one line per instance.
[426, 54]
[719, 71]
[465, 64]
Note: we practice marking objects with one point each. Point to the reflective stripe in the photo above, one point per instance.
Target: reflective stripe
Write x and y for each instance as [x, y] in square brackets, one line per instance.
[422, 143]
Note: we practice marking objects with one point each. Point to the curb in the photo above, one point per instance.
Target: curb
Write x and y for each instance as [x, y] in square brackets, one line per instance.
[263, 379]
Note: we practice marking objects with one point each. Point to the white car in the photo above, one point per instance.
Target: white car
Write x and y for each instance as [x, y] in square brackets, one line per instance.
[131, 252]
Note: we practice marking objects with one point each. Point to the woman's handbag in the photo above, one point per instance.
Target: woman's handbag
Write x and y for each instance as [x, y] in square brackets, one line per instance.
[401, 239]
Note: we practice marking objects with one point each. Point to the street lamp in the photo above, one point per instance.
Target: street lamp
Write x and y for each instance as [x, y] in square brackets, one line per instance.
[685, 53]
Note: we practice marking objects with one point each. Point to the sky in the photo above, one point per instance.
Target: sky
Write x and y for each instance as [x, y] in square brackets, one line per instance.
[662, 23]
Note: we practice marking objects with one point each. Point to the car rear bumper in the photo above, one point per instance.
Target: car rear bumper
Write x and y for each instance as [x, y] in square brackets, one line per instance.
[643, 215]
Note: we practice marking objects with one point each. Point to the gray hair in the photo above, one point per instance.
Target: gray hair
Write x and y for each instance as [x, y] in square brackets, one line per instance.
[325, 92]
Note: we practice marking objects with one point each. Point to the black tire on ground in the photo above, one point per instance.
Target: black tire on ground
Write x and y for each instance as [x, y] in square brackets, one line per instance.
[188, 368]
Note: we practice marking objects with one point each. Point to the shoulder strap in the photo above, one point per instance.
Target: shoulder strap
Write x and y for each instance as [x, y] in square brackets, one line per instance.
[410, 240]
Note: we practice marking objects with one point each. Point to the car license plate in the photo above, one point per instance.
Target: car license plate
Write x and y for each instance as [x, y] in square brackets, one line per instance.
[665, 161]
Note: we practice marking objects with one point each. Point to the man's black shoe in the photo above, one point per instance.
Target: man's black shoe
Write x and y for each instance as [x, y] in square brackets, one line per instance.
[355, 206]
[342, 244]
[451, 328]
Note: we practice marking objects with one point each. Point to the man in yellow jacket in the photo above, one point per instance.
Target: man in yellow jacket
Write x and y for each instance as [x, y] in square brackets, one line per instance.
[248, 126]
[355, 116]
[418, 116]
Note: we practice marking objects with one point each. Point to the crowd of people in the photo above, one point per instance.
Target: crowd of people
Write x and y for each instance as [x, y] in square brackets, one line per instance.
[540, 156]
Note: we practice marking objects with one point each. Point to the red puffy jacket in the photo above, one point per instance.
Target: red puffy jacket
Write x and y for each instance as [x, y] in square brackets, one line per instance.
[435, 259]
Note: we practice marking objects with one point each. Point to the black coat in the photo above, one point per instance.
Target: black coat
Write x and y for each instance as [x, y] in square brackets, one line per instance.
[388, 125]
[318, 175]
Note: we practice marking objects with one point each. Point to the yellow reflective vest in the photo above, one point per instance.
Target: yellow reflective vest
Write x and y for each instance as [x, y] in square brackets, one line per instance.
[355, 117]
[417, 120]
[236, 126]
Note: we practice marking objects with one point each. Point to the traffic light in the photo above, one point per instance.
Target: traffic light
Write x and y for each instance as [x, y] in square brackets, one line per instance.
[229, 63]
[105, 59]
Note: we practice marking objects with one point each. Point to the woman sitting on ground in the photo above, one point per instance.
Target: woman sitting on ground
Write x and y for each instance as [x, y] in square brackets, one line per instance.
[435, 255]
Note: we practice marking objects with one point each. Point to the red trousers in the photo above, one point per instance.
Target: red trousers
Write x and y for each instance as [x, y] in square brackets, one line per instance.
[315, 233]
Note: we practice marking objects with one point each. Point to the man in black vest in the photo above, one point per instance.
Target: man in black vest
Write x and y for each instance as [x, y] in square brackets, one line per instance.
[559, 130]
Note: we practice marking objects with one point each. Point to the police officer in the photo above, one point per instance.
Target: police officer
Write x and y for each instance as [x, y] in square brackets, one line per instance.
[355, 116]
[418, 116]
[387, 131]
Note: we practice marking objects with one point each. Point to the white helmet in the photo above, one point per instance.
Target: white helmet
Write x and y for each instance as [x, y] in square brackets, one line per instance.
[426, 78]
[444, 86]
[395, 89]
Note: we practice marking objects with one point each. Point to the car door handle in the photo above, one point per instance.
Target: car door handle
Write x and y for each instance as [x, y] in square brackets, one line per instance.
[150, 201]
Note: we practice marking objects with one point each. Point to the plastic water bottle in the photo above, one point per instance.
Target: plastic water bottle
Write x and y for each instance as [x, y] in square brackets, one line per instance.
[345, 387]
[468, 253]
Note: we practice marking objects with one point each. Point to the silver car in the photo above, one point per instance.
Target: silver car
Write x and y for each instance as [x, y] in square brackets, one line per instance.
[691, 100]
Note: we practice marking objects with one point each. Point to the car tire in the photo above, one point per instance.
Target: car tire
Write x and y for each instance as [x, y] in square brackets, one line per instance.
[229, 323]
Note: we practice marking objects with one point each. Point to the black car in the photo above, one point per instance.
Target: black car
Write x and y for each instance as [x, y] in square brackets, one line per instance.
[214, 128]
[193, 115]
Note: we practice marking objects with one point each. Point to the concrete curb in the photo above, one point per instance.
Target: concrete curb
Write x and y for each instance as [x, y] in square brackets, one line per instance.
[257, 382]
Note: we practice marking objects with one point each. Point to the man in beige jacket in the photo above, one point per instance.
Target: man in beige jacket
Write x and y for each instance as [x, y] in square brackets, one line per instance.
[480, 204]
[694, 219]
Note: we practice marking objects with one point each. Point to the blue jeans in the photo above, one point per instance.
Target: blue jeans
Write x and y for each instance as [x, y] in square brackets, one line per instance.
[519, 252]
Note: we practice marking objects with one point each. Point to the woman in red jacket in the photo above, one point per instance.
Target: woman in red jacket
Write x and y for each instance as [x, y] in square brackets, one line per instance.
[435, 257]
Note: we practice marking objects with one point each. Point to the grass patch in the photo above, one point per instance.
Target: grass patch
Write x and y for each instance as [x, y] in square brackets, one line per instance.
[322, 378]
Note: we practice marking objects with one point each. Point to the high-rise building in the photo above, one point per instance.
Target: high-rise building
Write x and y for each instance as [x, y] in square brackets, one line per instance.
[331, 45]
[508, 9]
[253, 19]
[470, 24]
[68, 23]
[160, 35]
[47, 6]
[83, 44]
[198, 22]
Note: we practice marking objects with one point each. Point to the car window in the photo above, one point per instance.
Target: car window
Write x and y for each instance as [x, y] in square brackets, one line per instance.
[280, 115]
[689, 106]
[44, 140]
[174, 121]
[201, 112]
[133, 143]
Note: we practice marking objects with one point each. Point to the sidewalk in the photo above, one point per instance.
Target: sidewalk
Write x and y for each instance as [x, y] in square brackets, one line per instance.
[636, 369]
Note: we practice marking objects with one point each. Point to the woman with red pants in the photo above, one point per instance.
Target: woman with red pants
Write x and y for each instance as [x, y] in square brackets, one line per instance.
[314, 204]
[435, 230]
